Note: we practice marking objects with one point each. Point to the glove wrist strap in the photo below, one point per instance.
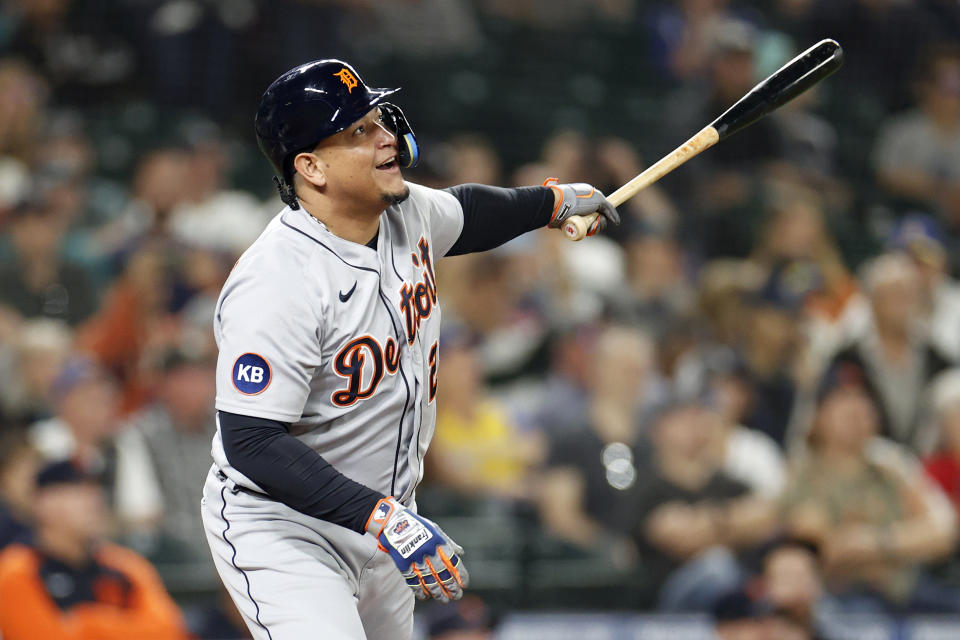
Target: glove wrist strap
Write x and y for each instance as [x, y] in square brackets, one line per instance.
[381, 514]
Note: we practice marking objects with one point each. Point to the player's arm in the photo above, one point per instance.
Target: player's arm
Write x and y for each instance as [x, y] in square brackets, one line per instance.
[494, 215]
[293, 473]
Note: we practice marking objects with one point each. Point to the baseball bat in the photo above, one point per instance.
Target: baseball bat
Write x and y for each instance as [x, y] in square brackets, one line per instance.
[789, 81]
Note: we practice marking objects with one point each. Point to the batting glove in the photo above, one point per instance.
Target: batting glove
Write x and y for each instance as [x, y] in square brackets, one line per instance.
[428, 559]
[580, 199]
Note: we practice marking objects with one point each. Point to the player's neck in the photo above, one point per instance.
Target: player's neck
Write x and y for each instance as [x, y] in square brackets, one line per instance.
[356, 226]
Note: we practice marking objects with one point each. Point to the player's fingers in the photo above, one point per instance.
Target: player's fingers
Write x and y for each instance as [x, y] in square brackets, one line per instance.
[445, 594]
[598, 225]
[451, 567]
[432, 583]
[452, 575]
[449, 580]
[416, 582]
[610, 212]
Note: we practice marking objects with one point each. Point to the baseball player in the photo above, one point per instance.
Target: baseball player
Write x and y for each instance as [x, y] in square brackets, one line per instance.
[327, 374]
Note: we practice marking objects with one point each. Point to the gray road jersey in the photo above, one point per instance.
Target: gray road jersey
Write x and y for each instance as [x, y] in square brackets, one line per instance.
[339, 339]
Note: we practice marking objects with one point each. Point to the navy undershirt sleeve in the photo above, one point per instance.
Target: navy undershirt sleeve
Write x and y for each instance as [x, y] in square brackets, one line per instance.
[494, 215]
[293, 473]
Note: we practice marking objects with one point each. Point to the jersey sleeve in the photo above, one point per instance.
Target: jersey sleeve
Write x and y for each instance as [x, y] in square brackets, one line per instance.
[444, 215]
[269, 341]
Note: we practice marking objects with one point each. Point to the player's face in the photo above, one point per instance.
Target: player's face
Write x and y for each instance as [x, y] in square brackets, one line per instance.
[361, 162]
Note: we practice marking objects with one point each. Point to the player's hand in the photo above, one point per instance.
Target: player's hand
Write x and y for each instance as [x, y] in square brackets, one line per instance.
[580, 199]
[428, 559]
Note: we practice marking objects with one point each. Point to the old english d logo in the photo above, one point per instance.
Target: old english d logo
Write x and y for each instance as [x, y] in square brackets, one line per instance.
[348, 79]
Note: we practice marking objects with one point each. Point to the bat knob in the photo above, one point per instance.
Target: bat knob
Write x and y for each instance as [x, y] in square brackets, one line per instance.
[575, 228]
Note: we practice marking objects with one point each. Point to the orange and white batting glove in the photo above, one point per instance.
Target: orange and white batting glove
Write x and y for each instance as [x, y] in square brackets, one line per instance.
[428, 559]
[580, 199]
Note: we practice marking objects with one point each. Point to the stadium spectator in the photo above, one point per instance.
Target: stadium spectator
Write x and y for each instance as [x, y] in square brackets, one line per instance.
[791, 582]
[85, 419]
[19, 463]
[154, 497]
[657, 291]
[721, 192]
[39, 282]
[865, 503]
[617, 162]
[479, 451]
[470, 158]
[487, 302]
[23, 99]
[917, 156]
[688, 515]
[156, 190]
[563, 403]
[211, 215]
[682, 35]
[796, 234]
[73, 585]
[134, 325]
[749, 456]
[723, 287]
[772, 335]
[42, 347]
[585, 497]
[922, 239]
[894, 355]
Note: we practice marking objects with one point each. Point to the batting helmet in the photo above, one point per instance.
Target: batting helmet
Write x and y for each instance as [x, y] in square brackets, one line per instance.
[314, 101]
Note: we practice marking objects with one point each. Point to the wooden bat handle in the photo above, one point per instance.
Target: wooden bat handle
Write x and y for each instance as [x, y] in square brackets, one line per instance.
[576, 227]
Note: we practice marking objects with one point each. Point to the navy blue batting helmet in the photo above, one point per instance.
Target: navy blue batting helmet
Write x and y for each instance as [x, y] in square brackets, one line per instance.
[314, 101]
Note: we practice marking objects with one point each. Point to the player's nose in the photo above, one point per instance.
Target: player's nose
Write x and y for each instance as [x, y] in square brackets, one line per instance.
[385, 137]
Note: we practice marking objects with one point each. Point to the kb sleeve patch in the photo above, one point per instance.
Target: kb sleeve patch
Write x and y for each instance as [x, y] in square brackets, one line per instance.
[251, 374]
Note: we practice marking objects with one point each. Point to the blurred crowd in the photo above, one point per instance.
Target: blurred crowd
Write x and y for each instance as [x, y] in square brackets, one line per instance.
[745, 400]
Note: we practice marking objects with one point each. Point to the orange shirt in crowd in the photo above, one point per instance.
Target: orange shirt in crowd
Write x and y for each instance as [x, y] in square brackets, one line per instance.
[118, 597]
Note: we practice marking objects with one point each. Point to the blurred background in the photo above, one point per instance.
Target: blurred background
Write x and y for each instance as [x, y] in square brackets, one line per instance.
[737, 415]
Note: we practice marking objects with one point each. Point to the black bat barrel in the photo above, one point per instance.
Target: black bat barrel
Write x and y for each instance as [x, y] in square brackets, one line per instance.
[792, 79]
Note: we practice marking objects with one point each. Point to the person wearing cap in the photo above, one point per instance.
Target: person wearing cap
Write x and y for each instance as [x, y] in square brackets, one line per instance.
[71, 584]
[921, 238]
[84, 399]
[771, 346]
[721, 187]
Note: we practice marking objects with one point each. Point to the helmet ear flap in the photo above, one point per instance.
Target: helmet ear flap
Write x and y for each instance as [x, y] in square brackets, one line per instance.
[406, 140]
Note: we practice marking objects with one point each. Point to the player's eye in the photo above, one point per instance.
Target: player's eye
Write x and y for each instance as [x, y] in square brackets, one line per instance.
[359, 131]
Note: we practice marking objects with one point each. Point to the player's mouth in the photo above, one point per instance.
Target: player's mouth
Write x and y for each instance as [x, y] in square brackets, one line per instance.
[390, 164]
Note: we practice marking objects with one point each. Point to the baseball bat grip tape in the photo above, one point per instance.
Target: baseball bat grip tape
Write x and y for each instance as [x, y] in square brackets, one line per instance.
[575, 227]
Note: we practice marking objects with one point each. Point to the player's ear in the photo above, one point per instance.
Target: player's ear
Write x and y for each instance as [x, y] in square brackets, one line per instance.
[309, 166]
